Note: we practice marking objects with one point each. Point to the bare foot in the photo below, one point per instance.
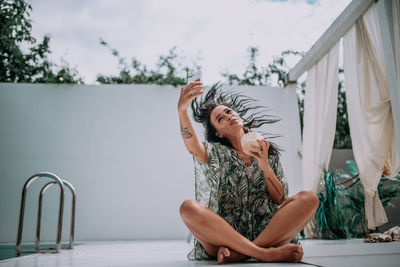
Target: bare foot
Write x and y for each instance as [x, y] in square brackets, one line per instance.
[226, 255]
[288, 253]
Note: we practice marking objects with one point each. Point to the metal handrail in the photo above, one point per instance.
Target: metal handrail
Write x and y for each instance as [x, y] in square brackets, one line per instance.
[57, 180]
[72, 230]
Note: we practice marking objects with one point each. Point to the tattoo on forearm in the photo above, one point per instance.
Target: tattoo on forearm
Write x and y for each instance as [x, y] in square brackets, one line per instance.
[185, 132]
[276, 189]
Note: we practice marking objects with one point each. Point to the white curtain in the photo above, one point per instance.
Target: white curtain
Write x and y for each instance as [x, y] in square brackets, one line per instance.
[372, 26]
[320, 106]
[370, 115]
[396, 30]
[396, 27]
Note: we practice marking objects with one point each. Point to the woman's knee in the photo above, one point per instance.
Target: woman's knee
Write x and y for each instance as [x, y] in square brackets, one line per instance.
[309, 198]
[189, 209]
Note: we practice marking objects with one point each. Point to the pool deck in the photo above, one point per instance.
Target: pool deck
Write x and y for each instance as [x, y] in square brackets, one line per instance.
[173, 253]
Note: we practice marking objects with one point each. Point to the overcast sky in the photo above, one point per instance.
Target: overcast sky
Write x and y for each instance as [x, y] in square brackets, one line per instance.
[216, 31]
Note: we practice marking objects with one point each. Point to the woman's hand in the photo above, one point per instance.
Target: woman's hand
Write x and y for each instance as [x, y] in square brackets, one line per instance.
[275, 188]
[188, 93]
[260, 153]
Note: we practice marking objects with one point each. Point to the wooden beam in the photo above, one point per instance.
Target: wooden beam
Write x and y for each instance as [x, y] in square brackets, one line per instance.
[338, 28]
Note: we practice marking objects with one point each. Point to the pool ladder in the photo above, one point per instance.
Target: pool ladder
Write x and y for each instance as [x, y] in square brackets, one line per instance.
[62, 184]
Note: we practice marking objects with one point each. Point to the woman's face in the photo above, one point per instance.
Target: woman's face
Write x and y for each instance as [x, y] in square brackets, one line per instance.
[225, 121]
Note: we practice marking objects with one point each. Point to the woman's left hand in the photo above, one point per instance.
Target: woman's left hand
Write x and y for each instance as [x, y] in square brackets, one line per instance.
[260, 153]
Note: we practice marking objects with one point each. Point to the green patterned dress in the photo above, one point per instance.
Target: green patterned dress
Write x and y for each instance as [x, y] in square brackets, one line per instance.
[235, 191]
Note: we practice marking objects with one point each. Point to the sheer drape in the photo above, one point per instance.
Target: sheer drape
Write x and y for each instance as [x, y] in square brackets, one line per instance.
[370, 114]
[320, 106]
[396, 28]
[396, 101]
[369, 107]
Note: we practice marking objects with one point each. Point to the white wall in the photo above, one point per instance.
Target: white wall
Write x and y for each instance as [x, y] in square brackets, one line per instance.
[120, 146]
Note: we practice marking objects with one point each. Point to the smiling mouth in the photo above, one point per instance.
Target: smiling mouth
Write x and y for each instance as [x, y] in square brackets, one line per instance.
[234, 121]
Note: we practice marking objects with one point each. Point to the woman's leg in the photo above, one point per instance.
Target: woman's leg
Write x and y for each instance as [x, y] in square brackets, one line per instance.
[289, 220]
[212, 231]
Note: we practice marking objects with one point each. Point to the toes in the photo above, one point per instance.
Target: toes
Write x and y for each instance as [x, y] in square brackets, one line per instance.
[220, 258]
[226, 252]
[220, 255]
[299, 255]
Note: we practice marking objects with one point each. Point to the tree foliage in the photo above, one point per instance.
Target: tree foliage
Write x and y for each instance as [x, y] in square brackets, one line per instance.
[33, 65]
[342, 134]
[253, 75]
[168, 70]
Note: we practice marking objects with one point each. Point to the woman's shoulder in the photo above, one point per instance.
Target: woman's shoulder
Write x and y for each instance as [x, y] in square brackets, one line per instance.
[217, 149]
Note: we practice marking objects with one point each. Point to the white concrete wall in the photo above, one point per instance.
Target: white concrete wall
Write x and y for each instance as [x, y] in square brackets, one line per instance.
[120, 146]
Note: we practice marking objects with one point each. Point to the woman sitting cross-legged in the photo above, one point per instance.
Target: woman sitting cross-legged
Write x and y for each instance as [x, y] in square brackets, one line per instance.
[242, 209]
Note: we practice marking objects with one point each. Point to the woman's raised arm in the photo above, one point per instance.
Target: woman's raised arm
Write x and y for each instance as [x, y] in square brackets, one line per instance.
[192, 143]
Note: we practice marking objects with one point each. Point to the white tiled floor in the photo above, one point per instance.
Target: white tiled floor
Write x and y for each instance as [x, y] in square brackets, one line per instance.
[173, 254]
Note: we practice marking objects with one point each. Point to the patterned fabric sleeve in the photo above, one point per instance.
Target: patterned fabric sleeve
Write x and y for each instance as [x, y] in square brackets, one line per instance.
[207, 177]
[278, 170]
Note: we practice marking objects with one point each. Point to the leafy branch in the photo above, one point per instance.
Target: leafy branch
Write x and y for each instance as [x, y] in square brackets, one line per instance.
[168, 70]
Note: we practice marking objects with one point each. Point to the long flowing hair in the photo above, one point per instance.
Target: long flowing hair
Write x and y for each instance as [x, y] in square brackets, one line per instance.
[253, 116]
